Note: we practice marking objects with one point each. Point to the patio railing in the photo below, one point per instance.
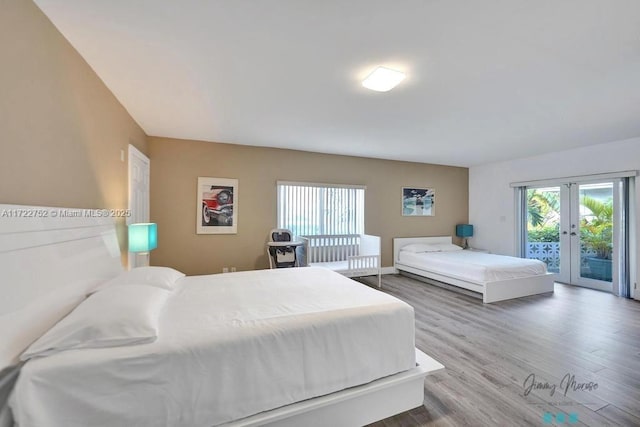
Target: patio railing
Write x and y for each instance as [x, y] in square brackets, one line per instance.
[549, 253]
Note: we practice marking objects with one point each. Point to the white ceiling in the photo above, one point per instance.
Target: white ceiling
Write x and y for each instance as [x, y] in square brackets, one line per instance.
[486, 80]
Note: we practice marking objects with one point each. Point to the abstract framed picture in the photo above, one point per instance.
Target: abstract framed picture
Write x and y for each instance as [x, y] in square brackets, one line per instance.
[217, 211]
[418, 201]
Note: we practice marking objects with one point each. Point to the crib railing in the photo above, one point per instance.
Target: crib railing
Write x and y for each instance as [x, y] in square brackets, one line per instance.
[332, 247]
[362, 265]
[361, 251]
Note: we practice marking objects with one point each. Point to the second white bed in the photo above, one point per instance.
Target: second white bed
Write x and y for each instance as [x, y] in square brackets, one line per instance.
[496, 277]
[473, 266]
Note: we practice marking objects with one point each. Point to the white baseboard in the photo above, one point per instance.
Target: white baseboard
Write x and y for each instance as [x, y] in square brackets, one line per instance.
[389, 270]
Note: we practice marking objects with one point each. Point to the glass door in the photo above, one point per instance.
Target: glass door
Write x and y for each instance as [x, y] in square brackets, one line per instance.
[572, 228]
[592, 233]
[542, 238]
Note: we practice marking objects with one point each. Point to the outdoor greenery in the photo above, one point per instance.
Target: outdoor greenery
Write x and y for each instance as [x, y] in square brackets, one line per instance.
[544, 234]
[596, 230]
[543, 209]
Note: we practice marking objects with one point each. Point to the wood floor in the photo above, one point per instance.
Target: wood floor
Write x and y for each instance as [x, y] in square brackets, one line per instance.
[493, 351]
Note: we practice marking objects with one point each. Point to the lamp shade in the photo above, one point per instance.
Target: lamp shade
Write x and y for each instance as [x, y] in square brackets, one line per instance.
[143, 237]
[464, 230]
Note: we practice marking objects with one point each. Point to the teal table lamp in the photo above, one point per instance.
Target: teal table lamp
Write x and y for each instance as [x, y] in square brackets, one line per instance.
[465, 231]
[143, 238]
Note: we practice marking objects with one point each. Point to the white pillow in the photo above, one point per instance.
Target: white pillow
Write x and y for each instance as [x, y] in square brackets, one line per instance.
[115, 316]
[161, 277]
[448, 247]
[420, 247]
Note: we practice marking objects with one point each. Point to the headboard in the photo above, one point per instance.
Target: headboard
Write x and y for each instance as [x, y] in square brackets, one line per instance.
[49, 259]
[399, 242]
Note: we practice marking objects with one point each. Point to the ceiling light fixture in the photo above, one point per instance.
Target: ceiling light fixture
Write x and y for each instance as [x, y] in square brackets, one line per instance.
[383, 79]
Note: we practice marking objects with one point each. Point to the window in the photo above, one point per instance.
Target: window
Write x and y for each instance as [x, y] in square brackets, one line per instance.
[312, 209]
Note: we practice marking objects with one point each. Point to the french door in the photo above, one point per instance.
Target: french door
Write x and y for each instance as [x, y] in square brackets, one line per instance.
[575, 229]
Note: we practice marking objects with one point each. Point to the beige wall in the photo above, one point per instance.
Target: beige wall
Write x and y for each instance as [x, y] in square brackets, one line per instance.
[177, 164]
[61, 129]
[61, 132]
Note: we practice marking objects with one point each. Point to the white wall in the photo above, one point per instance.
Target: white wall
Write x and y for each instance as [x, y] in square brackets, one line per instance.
[492, 201]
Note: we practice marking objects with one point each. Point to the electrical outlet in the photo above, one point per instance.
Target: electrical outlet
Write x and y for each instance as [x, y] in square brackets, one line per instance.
[225, 269]
[233, 269]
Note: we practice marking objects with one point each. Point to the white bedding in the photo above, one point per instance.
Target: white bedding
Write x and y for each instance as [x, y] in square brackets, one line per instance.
[477, 267]
[229, 346]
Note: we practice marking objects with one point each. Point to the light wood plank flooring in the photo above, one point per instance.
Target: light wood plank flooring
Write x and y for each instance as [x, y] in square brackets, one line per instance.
[489, 350]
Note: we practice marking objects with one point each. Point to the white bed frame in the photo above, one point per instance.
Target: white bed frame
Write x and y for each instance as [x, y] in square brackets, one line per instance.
[356, 406]
[48, 257]
[491, 291]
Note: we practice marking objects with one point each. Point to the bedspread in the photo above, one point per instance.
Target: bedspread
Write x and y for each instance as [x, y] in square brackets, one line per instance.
[229, 346]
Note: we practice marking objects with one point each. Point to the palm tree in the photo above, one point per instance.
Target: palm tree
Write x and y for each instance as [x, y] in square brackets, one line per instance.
[596, 230]
[542, 207]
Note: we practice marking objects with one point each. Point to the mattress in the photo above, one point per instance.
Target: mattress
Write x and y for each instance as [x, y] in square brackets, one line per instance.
[229, 346]
[476, 267]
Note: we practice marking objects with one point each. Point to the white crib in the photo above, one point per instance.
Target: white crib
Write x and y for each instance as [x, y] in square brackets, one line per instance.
[352, 255]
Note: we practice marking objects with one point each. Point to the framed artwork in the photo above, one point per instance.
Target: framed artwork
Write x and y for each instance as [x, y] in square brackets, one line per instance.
[217, 211]
[418, 201]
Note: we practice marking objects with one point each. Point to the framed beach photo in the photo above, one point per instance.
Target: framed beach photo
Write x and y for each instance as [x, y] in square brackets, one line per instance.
[217, 211]
[418, 201]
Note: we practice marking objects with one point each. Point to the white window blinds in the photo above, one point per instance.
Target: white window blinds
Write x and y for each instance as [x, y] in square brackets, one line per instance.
[312, 209]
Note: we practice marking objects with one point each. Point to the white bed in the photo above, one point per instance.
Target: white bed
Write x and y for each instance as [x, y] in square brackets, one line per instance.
[496, 277]
[327, 350]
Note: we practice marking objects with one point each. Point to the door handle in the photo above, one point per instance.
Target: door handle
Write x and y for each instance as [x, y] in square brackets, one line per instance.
[573, 233]
[564, 232]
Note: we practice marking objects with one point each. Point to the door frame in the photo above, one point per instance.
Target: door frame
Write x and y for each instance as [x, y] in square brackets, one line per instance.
[136, 216]
[633, 206]
[575, 244]
[570, 243]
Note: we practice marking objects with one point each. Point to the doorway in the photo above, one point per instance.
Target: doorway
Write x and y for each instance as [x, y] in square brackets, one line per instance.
[574, 227]
[139, 166]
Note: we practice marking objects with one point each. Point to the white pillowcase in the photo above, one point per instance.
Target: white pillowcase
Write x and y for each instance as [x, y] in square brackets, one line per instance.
[161, 277]
[115, 316]
[448, 247]
[420, 247]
